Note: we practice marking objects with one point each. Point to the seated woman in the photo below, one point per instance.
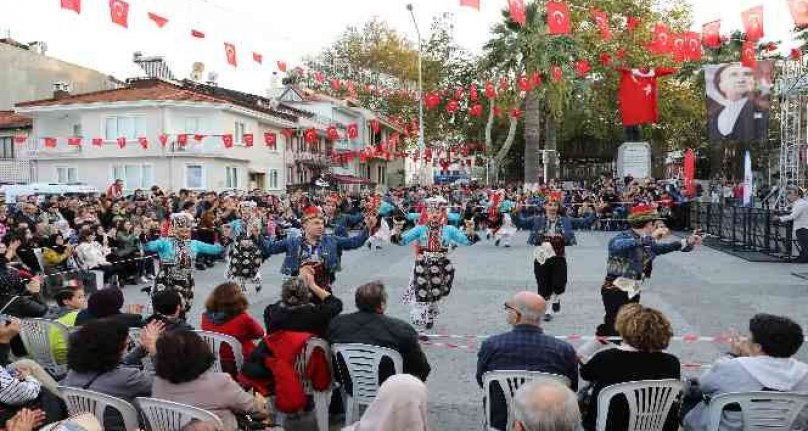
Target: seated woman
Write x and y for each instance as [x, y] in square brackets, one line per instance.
[226, 313]
[92, 255]
[107, 303]
[96, 362]
[55, 257]
[183, 365]
[399, 405]
[646, 333]
[298, 311]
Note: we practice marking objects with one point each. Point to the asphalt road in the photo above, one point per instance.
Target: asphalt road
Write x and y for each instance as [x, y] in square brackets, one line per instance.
[705, 292]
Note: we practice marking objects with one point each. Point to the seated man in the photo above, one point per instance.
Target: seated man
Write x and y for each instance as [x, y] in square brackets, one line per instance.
[525, 347]
[762, 363]
[369, 325]
[546, 405]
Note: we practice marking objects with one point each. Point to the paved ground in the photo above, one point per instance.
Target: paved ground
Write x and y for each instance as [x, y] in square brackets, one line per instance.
[705, 292]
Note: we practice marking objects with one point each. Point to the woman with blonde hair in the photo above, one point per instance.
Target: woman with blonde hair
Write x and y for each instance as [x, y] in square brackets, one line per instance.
[399, 405]
[646, 332]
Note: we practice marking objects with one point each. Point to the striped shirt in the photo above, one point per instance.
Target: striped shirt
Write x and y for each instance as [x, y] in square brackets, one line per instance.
[15, 392]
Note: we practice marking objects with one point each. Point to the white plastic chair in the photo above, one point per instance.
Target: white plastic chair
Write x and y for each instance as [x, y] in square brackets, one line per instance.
[83, 401]
[164, 415]
[322, 400]
[760, 410]
[510, 381]
[215, 341]
[35, 336]
[649, 402]
[363, 361]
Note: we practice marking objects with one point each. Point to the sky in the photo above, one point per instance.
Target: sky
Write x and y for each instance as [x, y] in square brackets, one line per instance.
[285, 30]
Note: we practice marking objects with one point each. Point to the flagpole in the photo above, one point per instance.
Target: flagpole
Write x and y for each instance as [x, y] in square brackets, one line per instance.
[421, 144]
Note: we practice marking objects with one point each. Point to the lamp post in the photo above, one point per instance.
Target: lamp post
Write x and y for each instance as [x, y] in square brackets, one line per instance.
[421, 143]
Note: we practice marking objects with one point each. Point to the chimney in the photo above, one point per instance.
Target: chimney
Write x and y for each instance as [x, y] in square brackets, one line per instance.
[61, 89]
[38, 47]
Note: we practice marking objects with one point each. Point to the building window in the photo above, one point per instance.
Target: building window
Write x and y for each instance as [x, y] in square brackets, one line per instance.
[273, 178]
[67, 175]
[194, 177]
[239, 133]
[301, 176]
[6, 147]
[193, 125]
[129, 127]
[381, 174]
[290, 174]
[231, 177]
[134, 176]
[77, 130]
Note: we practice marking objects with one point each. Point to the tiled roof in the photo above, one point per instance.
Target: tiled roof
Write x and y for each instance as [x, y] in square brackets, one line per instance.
[146, 89]
[10, 120]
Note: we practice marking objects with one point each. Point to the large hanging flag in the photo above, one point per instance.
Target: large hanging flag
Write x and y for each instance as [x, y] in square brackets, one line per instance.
[753, 23]
[74, 5]
[690, 173]
[679, 47]
[119, 12]
[230, 52]
[663, 40]
[159, 21]
[799, 11]
[711, 34]
[517, 8]
[638, 95]
[602, 23]
[694, 50]
[471, 3]
[558, 18]
[749, 54]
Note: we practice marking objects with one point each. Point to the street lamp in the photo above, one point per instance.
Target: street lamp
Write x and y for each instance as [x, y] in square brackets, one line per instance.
[421, 143]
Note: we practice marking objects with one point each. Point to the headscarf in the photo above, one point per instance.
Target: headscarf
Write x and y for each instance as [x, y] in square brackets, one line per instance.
[400, 405]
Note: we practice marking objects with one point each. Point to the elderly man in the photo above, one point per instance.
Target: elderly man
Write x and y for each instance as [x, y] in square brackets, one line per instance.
[799, 215]
[546, 405]
[525, 347]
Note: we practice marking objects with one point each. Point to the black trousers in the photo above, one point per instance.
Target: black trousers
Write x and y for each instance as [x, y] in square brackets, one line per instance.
[613, 300]
[551, 277]
[802, 239]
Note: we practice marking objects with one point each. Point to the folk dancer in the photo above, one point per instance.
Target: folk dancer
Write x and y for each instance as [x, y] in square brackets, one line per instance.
[433, 273]
[323, 252]
[177, 253]
[551, 233]
[244, 256]
[497, 208]
[629, 265]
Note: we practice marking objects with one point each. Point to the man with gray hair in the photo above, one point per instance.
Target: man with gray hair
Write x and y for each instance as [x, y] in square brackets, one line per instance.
[546, 405]
[525, 347]
[798, 215]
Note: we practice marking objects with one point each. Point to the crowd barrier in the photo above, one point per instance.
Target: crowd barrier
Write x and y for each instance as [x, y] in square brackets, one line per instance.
[743, 229]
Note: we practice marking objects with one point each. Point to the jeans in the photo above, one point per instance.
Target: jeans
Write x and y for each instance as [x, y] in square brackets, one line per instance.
[802, 240]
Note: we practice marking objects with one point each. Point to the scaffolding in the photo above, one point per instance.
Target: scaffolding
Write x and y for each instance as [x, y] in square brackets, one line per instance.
[792, 88]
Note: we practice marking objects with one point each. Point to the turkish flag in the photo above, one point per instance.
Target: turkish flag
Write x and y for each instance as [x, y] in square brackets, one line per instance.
[258, 58]
[753, 23]
[536, 79]
[227, 140]
[332, 133]
[119, 11]
[583, 68]
[632, 22]
[144, 143]
[163, 139]
[799, 11]
[690, 173]
[517, 8]
[20, 139]
[50, 142]
[749, 54]
[74, 141]
[638, 95]
[557, 73]
[663, 40]
[693, 42]
[310, 136]
[248, 139]
[476, 110]
[516, 113]
[524, 83]
[121, 142]
[159, 21]
[197, 34]
[471, 3]
[319, 77]
[452, 106]
[74, 5]
[270, 139]
[605, 59]
[282, 66]
[182, 140]
[558, 18]
[602, 23]
[375, 126]
[711, 34]
[353, 131]
[490, 91]
[503, 84]
[335, 84]
[473, 93]
[230, 52]
[98, 142]
[795, 54]
[679, 47]
[198, 138]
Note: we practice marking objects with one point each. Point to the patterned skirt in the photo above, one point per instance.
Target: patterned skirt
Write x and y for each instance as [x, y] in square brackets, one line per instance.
[243, 261]
[180, 281]
[432, 278]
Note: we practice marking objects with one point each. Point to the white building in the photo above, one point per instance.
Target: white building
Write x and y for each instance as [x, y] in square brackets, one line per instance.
[151, 108]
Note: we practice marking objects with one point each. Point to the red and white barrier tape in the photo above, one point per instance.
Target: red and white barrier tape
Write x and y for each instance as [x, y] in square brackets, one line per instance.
[687, 338]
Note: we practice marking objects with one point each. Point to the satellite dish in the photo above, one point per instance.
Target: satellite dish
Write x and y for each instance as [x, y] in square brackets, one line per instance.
[197, 69]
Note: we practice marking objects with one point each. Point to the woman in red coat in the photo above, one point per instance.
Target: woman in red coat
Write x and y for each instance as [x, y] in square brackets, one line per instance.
[226, 313]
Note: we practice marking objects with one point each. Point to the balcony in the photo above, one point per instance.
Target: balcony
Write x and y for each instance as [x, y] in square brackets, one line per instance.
[307, 158]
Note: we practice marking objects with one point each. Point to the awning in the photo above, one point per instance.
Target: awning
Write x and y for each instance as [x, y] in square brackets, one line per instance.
[349, 179]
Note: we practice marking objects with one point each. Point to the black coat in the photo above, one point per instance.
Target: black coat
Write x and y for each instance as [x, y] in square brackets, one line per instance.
[312, 318]
[379, 330]
[15, 299]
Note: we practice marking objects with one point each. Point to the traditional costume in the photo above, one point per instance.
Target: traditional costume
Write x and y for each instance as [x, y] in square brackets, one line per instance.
[177, 255]
[433, 272]
[244, 257]
[499, 207]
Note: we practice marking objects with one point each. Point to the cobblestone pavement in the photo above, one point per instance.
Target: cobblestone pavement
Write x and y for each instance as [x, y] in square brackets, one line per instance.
[705, 292]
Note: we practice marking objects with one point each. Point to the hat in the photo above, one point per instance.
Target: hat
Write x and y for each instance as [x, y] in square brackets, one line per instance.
[435, 203]
[642, 213]
[311, 212]
[181, 221]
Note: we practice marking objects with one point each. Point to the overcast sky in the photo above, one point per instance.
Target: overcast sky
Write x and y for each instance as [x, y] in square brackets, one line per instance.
[279, 29]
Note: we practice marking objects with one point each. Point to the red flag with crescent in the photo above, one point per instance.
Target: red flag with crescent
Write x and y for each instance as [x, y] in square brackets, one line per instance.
[230, 52]
[753, 23]
[270, 139]
[799, 11]
[517, 9]
[74, 5]
[749, 54]
[353, 131]
[663, 40]
[602, 23]
[119, 12]
[711, 34]
[690, 173]
[227, 140]
[159, 21]
[558, 18]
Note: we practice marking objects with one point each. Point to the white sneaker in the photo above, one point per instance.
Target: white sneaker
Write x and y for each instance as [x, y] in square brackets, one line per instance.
[144, 280]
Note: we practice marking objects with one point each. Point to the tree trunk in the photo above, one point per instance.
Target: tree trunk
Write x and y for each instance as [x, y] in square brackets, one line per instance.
[496, 161]
[551, 126]
[532, 134]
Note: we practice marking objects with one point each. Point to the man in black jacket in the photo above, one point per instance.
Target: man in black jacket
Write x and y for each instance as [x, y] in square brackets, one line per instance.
[369, 325]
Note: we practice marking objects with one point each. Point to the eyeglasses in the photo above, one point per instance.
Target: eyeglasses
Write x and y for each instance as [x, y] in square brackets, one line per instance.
[511, 308]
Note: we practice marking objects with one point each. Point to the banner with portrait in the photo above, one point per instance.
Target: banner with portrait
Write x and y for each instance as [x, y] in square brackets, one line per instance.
[738, 101]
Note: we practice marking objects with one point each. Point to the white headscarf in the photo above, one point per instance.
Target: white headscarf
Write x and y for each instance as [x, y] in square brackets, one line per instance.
[400, 405]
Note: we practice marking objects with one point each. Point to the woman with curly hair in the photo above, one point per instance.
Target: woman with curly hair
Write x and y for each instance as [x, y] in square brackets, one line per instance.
[646, 333]
[226, 313]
